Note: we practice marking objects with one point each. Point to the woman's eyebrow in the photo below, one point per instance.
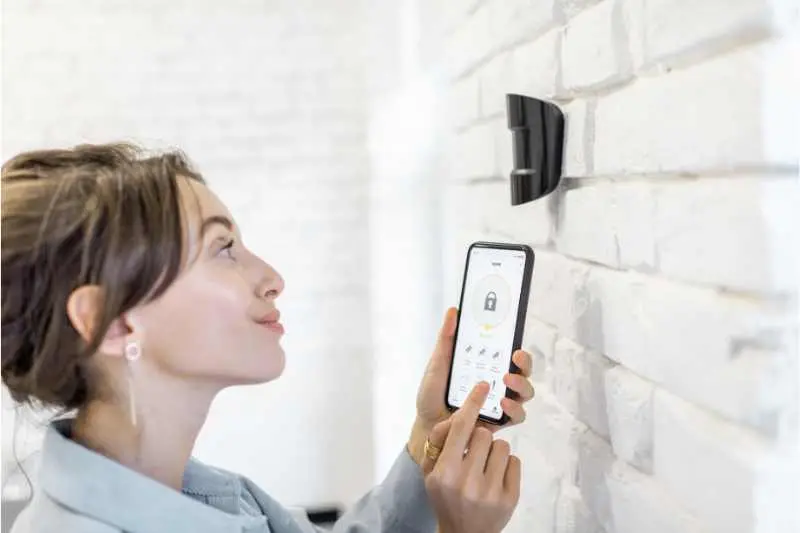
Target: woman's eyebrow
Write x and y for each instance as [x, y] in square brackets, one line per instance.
[216, 219]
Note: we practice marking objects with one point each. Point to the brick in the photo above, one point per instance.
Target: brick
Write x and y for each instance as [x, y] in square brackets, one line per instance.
[630, 417]
[536, 66]
[538, 493]
[780, 127]
[633, 20]
[469, 44]
[633, 208]
[711, 466]
[578, 382]
[712, 231]
[639, 504]
[539, 340]
[592, 57]
[578, 138]
[572, 515]
[529, 223]
[553, 432]
[529, 69]
[695, 130]
[608, 223]
[594, 462]
[681, 31]
[473, 153]
[570, 8]
[563, 377]
[516, 21]
[486, 207]
[717, 231]
[495, 82]
[591, 392]
[504, 155]
[776, 493]
[559, 295]
[585, 229]
[782, 221]
[727, 349]
[465, 102]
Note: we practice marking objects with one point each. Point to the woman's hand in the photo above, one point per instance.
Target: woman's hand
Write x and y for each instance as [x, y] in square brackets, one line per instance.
[474, 484]
[431, 408]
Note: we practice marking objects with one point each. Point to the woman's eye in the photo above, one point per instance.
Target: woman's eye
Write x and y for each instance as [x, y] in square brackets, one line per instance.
[227, 250]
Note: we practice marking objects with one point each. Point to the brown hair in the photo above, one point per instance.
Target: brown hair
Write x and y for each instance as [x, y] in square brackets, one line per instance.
[104, 215]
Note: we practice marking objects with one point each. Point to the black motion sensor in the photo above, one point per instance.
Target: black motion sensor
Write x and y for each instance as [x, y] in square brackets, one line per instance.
[537, 128]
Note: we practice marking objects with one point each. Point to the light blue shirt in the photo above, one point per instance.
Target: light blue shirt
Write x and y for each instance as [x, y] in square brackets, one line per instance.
[81, 491]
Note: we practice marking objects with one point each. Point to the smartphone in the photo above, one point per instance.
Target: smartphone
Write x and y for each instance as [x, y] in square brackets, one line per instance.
[491, 321]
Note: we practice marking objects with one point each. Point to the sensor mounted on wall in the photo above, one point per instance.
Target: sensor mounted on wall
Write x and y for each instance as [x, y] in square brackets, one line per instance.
[537, 129]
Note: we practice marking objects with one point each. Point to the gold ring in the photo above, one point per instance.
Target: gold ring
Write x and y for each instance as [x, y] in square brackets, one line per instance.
[431, 451]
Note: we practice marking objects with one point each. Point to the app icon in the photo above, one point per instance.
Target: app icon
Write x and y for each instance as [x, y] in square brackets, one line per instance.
[490, 302]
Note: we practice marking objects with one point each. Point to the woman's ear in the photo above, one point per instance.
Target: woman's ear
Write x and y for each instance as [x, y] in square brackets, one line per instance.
[84, 308]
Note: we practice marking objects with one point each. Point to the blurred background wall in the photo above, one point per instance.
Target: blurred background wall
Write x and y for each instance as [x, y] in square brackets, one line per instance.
[362, 146]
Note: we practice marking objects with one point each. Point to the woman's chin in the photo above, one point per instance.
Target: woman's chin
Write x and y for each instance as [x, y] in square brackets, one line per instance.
[272, 367]
[266, 369]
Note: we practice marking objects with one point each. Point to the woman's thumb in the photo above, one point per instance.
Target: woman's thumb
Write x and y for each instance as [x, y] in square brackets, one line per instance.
[444, 344]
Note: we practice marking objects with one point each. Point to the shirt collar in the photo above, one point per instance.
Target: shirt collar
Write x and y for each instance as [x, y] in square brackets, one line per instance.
[95, 485]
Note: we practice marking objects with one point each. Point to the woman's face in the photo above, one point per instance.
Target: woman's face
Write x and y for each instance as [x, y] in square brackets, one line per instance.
[218, 322]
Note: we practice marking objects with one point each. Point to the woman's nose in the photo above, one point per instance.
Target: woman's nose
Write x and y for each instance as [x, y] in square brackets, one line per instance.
[271, 285]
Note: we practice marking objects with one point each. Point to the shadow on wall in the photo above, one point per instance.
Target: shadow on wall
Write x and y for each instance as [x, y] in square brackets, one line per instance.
[583, 387]
[587, 310]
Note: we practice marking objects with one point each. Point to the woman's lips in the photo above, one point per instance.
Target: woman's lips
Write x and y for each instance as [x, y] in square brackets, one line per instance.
[277, 327]
[272, 322]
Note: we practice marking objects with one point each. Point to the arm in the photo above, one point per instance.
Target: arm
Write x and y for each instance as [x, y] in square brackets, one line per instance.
[398, 505]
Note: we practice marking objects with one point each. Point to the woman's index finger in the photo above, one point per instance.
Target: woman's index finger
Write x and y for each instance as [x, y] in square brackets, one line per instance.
[463, 422]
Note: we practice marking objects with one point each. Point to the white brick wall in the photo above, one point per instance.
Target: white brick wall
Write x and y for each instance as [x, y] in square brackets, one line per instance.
[662, 317]
[629, 400]
[680, 31]
[592, 55]
[707, 133]
[708, 464]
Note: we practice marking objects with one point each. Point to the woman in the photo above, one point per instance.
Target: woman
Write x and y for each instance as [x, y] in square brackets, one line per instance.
[129, 299]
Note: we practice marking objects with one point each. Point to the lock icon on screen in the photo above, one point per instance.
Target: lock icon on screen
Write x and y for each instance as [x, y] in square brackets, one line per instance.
[490, 302]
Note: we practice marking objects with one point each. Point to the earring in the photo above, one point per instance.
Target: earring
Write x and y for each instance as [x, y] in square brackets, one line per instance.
[133, 350]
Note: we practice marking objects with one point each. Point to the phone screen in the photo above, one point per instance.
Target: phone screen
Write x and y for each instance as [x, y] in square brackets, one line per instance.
[487, 323]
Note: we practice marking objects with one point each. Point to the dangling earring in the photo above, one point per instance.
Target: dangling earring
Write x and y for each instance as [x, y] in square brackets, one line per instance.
[133, 351]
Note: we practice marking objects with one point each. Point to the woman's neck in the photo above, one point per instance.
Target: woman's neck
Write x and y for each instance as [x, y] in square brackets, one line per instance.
[161, 442]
